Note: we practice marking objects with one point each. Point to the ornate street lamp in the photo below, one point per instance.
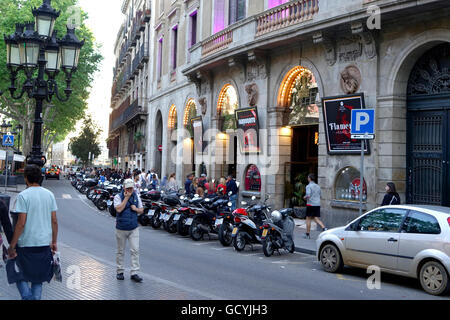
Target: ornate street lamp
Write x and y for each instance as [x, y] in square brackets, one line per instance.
[35, 46]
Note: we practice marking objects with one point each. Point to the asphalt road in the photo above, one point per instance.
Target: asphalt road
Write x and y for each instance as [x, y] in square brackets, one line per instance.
[212, 270]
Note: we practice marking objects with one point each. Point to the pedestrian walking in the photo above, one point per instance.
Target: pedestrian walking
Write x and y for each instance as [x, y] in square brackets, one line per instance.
[187, 184]
[5, 221]
[35, 235]
[312, 198]
[128, 205]
[172, 184]
[232, 187]
[391, 197]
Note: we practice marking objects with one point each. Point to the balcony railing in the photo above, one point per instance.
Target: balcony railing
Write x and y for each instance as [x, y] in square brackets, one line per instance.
[217, 42]
[286, 15]
[123, 115]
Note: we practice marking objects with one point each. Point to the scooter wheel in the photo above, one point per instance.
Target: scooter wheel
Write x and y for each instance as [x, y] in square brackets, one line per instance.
[267, 245]
[239, 242]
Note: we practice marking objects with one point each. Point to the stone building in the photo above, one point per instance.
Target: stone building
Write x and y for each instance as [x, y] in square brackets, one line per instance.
[254, 76]
[129, 100]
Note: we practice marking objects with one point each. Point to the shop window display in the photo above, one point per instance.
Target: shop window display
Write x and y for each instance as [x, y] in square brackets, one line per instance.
[347, 185]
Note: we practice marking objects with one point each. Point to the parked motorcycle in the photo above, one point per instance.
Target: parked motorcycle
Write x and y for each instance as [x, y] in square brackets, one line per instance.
[247, 224]
[206, 216]
[278, 232]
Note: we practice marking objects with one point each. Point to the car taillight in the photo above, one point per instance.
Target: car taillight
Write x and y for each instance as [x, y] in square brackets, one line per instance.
[237, 220]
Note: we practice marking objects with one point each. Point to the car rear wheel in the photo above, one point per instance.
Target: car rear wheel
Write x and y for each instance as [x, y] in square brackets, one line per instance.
[331, 259]
[434, 278]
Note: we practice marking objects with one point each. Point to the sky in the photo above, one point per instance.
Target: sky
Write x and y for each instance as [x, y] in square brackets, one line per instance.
[104, 19]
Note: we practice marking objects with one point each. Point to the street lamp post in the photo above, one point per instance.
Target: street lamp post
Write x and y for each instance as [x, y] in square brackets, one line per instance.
[34, 46]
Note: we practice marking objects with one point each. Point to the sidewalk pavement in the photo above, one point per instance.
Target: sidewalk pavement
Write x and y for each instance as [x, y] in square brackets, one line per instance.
[302, 245]
[86, 277]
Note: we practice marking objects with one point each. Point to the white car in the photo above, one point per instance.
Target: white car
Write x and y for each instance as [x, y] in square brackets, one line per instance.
[407, 240]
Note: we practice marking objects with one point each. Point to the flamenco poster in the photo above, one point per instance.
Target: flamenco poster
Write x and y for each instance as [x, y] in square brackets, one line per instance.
[337, 113]
[248, 130]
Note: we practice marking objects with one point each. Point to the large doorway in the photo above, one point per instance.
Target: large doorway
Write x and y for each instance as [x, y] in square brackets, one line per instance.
[299, 92]
[158, 143]
[428, 138]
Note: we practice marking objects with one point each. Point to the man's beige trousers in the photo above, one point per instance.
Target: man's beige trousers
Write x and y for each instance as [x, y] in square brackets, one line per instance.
[133, 239]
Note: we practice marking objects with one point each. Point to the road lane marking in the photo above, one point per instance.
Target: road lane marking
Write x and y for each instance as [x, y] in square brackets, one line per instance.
[67, 196]
[341, 277]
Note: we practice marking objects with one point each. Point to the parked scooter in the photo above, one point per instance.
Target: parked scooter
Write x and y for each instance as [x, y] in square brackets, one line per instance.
[247, 224]
[278, 232]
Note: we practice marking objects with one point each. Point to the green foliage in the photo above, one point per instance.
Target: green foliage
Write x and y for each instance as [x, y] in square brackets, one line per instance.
[59, 118]
[87, 142]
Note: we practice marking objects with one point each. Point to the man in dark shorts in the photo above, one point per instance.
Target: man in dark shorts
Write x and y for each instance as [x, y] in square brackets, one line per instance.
[312, 198]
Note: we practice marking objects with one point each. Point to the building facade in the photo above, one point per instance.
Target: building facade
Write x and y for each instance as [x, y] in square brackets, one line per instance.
[129, 100]
[262, 90]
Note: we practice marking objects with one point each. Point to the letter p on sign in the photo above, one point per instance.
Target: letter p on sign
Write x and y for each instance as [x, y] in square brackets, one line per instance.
[362, 118]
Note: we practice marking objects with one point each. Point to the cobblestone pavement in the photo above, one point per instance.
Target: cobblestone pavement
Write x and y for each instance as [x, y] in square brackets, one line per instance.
[98, 282]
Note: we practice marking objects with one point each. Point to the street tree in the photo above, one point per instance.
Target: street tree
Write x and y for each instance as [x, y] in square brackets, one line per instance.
[87, 142]
[59, 118]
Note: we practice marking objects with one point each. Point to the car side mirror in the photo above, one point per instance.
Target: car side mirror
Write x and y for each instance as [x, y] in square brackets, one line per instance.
[354, 226]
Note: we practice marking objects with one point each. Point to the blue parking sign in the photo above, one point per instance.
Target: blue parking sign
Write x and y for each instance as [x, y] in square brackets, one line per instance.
[8, 140]
[363, 123]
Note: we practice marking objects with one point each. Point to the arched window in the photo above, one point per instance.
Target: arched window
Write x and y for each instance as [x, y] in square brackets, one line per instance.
[228, 102]
[173, 122]
[347, 185]
[299, 91]
[189, 113]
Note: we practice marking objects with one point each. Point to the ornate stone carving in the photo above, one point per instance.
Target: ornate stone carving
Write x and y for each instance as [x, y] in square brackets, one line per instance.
[366, 38]
[257, 66]
[350, 79]
[198, 83]
[350, 48]
[203, 104]
[252, 94]
[328, 46]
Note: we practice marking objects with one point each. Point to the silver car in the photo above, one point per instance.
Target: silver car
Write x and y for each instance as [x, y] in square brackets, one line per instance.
[407, 240]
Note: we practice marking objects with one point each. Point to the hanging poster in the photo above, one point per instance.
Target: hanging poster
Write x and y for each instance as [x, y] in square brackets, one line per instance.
[337, 115]
[197, 127]
[248, 130]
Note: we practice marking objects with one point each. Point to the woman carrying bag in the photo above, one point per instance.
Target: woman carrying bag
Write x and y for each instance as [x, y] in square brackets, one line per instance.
[391, 197]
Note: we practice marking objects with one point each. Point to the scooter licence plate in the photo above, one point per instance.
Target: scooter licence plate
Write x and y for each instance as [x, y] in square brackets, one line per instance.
[108, 203]
[265, 231]
[219, 222]
[151, 213]
[166, 217]
[189, 221]
[177, 217]
[163, 216]
[234, 231]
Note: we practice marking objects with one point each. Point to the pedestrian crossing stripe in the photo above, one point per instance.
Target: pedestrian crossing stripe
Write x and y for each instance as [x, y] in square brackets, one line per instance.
[8, 141]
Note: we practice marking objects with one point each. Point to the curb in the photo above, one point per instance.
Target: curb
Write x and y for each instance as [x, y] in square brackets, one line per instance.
[306, 251]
